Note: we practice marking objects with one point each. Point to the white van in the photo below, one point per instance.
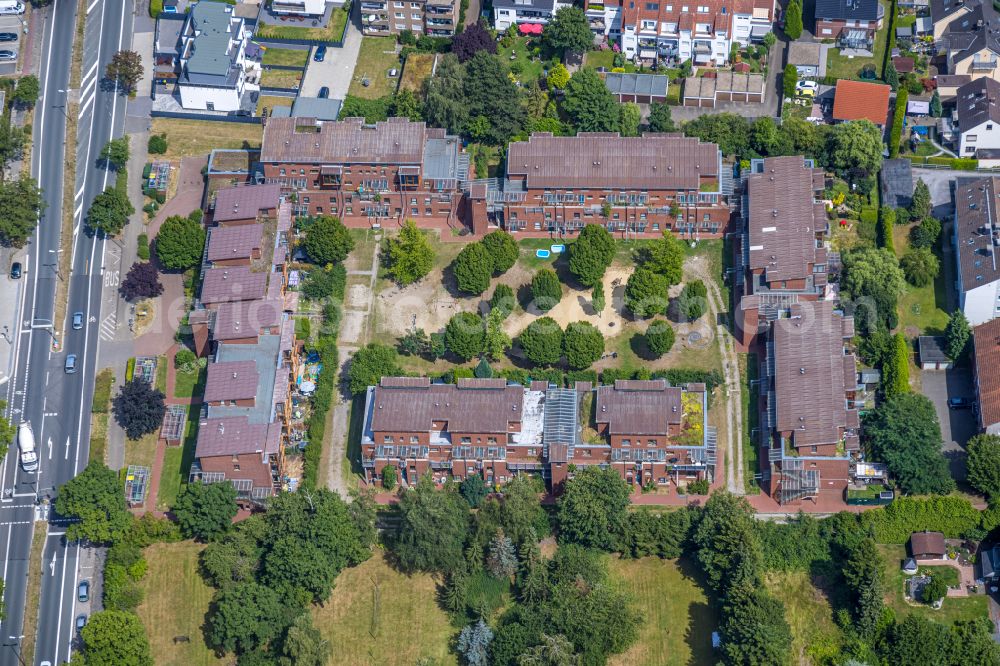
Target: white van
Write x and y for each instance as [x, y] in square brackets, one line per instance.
[26, 444]
[11, 7]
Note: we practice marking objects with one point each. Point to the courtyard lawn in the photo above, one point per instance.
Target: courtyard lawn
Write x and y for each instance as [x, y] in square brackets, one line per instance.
[177, 463]
[189, 384]
[271, 102]
[922, 310]
[332, 32]
[518, 57]
[175, 603]
[605, 59]
[842, 67]
[678, 618]
[281, 78]
[377, 56]
[954, 608]
[286, 57]
[377, 615]
[815, 636]
[199, 137]
[416, 70]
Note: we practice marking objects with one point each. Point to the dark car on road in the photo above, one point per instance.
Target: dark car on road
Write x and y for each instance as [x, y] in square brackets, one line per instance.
[320, 53]
[959, 403]
[324, 92]
[15, 270]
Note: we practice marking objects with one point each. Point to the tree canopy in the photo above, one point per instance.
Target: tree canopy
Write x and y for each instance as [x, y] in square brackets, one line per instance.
[432, 528]
[957, 334]
[984, 464]
[659, 337]
[569, 30]
[444, 103]
[370, 364]
[874, 281]
[660, 118]
[903, 432]
[593, 508]
[180, 241]
[588, 103]
[27, 90]
[583, 344]
[920, 266]
[464, 335]
[245, 616]
[142, 281]
[591, 254]
[115, 152]
[542, 341]
[856, 149]
[693, 301]
[22, 204]
[793, 20]
[473, 269]
[109, 212]
[664, 256]
[491, 94]
[646, 293]
[205, 511]
[546, 291]
[139, 408]
[115, 638]
[503, 249]
[125, 69]
[327, 240]
[408, 256]
[470, 41]
[96, 499]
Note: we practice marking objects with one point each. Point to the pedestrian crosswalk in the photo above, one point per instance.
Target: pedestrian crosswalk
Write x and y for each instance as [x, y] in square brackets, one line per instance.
[109, 325]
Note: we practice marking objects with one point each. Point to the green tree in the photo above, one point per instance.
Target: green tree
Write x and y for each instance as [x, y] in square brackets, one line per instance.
[754, 630]
[646, 293]
[409, 256]
[180, 242]
[389, 476]
[205, 511]
[903, 432]
[793, 20]
[591, 254]
[370, 364]
[926, 233]
[110, 211]
[115, 153]
[984, 465]
[432, 528]
[856, 149]
[597, 300]
[896, 369]
[464, 335]
[920, 266]
[474, 490]
[244, 617]
[583, 344]
[444, 96]
[693, 301]
[569, 30]
[629, 117]
[490, 93]
[502, 560]
[474, 643]
[659, 337]
[558, 77]
[554, 651]
[96, 500]
[660, 118]
[593, 508]
[503, 300]
[125, 69]
[22, 205]
[957, 334]
[764, 136]
[405, 104]
[304, 645]
[886, 220]
[503, 249]
[665, 256]
[546, 289]
[473, 268]
[115, 638]
[496, 342]
[935, 590]
[920, 205]
[139, 408]
[157, 144]
[915, 641]
[789, 79]
[588, 103]
[26, 93]
[726, 543]
[327, 240]
[862, 573]
[542, 341]
[730, 131]
[936, 109]
[891, 76]
[872, 278]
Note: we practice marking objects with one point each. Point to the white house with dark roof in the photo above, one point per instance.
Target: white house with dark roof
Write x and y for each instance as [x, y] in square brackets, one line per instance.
[977, 104]
[977, 248]
[215, 73]
[517, 12]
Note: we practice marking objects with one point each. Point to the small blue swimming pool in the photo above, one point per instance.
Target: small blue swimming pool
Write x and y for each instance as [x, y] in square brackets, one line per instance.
[542, 254]
[558, 249]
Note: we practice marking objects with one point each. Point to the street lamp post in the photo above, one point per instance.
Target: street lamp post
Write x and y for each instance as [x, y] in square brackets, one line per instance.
[16, 647]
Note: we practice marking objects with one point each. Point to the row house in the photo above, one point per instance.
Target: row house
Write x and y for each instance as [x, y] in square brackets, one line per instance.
[809, 440]
[434, 18]
[852, 23]
[674, 31]
[986, 375]
[781, 252]
[633, 186]
[648, 431]
[369, 175]
[968, 31]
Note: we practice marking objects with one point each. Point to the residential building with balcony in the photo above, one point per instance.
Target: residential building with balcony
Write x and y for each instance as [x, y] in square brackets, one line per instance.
[852, 23]
[370, 175]
[633, 186]
[213, 71]
[435, 18]
[781, 253]
[605, 18]
[977, 249]
[312, 8]
[808, 419]
[969, 33]
[519, 12]
[977, 104]
[673, 31]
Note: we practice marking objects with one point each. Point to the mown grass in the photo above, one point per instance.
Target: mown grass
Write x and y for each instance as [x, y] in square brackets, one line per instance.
[376, 57]
[332, 32]
[953, 609]
[177, 463]
[187, 138]
[285, 57]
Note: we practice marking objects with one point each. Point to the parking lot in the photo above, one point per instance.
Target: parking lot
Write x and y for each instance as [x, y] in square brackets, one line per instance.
[957, 425]
[16, 25]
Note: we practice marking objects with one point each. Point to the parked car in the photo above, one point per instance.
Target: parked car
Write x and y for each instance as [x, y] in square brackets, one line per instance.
[77, 321]
[8, 36]
[324, 92]
[83, 591]
[959, 403]
[81, 622]
[8, 54]
[71, 364]
[320, 53]
[806, 88]
[15, 270]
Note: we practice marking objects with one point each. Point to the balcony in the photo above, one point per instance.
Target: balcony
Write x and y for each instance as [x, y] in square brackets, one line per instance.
[441, 21]
[374, 6]
[439, 9]
[984, 65]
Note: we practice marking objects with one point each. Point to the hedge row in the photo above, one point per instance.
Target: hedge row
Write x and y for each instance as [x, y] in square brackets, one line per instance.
[956, 163]
[953, 516]
[896, 134]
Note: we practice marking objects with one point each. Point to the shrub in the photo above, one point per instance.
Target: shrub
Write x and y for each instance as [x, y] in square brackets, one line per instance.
[389, 477]
[953, 516]
[583, 344]
[693, 301]
[157, 144]
[546, 289]
[659, 337]
[896, 134]
[503, 299]
[142, 247]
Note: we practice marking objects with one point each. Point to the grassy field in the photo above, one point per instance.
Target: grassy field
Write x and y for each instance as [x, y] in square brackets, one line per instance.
[286, 57]
[198, 137]
[280, 78]
[518, 55]
[954, 608]
[678, 617]
[842, 67]
[189, 384]
[416, 70]
[175, 604]
[333, 32]
[161, 373]
[377, 56]
[272, 101]
[922, 310]
[605, 59]
[815, 635]
[177, 463]
[406, 624]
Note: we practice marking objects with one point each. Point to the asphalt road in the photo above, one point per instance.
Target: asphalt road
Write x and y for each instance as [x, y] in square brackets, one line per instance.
[57, 404]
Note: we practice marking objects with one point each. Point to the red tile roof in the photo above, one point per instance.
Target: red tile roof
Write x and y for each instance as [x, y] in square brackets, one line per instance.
[857, 100]
[635, 407]
[234, 435]
[986, 347]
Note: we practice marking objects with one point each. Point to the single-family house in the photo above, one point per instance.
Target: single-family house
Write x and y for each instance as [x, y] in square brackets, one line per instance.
[928, 546]
[977, 105]
[976, 237]
[852, 23]
[858, 100]
[519, 12]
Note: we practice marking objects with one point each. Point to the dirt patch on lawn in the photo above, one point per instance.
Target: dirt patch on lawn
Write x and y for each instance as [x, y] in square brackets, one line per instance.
[426, 305]
[352, 326]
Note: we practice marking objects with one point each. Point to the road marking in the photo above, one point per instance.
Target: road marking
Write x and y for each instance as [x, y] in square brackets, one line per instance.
[50, 414]
[6, 557]
[50, 448]
[51, 534]
[66, 457]
[91, 70]
[86, 103]
[109, 326]
[92, 5]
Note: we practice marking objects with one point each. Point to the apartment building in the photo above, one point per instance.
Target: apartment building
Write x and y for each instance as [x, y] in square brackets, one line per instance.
[648, 431]
[977, 246]
[311, 8]
[967, 31]
[524, 12]
[675, 31]
[977, 104]
[986, 375]
[781, 252]
[634, 186]
[435, 18]
[852, 23]
[808, 422]
[369, 175]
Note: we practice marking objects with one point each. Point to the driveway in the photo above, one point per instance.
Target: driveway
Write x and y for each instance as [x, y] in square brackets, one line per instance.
[957, 425]
[337, 68]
